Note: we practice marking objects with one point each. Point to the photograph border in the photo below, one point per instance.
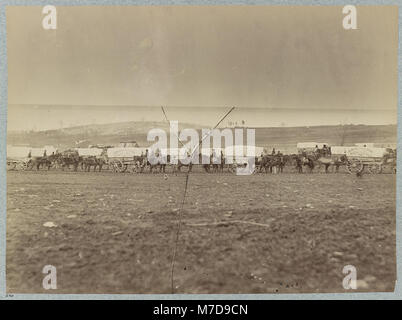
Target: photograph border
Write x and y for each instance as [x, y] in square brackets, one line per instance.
[397, 294]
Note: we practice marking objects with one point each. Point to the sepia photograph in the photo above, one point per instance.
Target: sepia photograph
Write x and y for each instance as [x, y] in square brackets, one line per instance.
[201, 149]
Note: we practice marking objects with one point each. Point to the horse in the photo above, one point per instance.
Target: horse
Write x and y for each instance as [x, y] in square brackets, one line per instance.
[389, 159]
[222, 164]
[299, 163]
[53, 159]
[335, 162]
[205, 160]
[325, 161]
[69, 157]
[188, 163]
[263, 163]
[217, 163]
[271, 163]
[140, 162]
[179, 165]
[161, 163]
[282, 159]
[309, 162]
[93, 161]
[40, 162]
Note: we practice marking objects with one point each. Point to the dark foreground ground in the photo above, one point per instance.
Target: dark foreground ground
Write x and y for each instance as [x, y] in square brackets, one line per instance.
[115, 233]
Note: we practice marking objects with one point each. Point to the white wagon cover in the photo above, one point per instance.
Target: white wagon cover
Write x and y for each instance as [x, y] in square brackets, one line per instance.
[311, 145]
[363, 152]
[125, 152]
[20, 152]
[86, 152]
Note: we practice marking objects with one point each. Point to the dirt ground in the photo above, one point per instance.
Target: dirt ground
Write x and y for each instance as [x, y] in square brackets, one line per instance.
[115, 233]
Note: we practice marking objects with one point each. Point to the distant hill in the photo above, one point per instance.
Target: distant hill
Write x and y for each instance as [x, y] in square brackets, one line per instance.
[284, 138]
[287, 138]
[107, 134]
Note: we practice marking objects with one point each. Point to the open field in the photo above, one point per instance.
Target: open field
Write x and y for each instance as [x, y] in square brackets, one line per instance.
[283, 233]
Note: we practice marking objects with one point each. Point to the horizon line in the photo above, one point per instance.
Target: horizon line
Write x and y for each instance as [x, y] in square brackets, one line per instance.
[205, 106]
[226, 127]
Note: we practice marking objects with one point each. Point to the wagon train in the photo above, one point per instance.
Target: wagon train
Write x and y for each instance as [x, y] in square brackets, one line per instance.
[134, 159]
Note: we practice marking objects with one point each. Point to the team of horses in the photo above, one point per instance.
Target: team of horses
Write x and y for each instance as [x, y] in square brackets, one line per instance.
[69, 159]
[265, 163]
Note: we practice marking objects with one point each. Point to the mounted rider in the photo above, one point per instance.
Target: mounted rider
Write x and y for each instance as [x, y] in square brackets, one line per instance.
[145, 158]
[281, 161]
[216, 158]
[325, 150]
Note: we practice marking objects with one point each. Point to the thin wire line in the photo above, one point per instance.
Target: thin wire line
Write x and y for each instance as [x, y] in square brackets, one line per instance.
[184, 198]
[166, 118]
[178, 233]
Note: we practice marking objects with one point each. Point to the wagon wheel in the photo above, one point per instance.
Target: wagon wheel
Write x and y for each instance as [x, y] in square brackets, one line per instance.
[122, 167]
[375, 168]
[115, 166]
[355, 166]
[256, 169]
[23, 166]
[26, 165]
[135, 168]
[232, 168]
[11, 166]
[119, 166]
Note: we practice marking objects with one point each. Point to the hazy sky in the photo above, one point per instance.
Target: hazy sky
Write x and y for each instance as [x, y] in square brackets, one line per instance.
[296, 60]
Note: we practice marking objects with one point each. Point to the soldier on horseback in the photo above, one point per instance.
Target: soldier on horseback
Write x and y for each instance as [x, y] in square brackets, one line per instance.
[299, 164]
[216, 160]
[325, 151]
[222, 161]
[281, 162]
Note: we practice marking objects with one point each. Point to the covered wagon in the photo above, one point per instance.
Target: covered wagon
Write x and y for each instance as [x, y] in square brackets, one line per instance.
[20, 157]
[123, 158]
[17, 158]
[310, 147]
[360, 157]
[90, 152]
